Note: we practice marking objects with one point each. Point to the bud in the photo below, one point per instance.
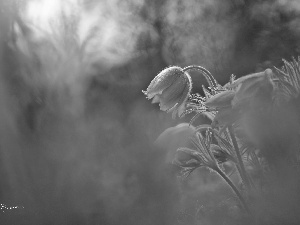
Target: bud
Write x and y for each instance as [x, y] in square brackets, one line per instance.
[254, 90]
[225, 116]
[220, 100]
[170, 88]
[251, 78]
[173, 138]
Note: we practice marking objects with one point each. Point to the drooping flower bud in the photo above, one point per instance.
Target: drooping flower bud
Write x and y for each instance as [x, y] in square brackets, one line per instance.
[170, 88]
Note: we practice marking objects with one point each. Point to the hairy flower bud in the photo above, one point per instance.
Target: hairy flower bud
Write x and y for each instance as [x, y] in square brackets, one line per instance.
[170, 88]
[173, 138]
[254, 90]
[220, 100]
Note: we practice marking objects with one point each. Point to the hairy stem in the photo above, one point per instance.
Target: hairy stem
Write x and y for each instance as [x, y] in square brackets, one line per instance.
[210, 79]
[240, 166]
[233, 187]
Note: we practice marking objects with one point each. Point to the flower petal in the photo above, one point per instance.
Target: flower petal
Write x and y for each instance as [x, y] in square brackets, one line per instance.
[220, 100]
[156, 99]
[174, 93]
[180, 107]
[163, 80]
[254, 92]
[225, 117]
[249, 78]
[178, 111]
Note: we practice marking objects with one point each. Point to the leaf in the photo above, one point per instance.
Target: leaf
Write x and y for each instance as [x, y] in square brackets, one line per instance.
[223, 143]
[290, 68]
[208, 137]
[220, 154]
[187, 171]
[287, 82]
[281, 74]
[192, 153]
[202, 127]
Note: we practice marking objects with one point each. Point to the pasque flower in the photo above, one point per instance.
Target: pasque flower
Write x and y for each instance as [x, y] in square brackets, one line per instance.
[173, 138]
[253, 91]
[171, 89]
[222, 102]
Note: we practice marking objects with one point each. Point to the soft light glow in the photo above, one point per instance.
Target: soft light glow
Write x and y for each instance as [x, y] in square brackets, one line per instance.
[114, 27]
[45, 14]
[44, 9]
[41, 12]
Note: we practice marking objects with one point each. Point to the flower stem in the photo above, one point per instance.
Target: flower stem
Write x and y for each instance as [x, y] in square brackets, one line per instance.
[234, 188]
[210, 79]
[240, 166]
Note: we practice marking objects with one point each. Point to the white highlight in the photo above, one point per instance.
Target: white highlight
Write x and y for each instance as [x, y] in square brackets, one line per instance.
[45, 14]
[3, 207]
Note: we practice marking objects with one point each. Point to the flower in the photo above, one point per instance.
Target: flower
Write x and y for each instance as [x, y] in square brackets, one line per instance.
[251, 92]
[220, 100]
[171, 89]
[254, 90]
[173, 138]
[222, 103]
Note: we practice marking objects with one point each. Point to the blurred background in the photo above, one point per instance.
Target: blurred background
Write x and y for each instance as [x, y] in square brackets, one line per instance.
[76, 132]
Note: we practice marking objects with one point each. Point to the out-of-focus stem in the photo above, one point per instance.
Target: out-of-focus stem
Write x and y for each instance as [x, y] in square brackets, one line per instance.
[234, 188]
[208, 76]
[241, 166]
